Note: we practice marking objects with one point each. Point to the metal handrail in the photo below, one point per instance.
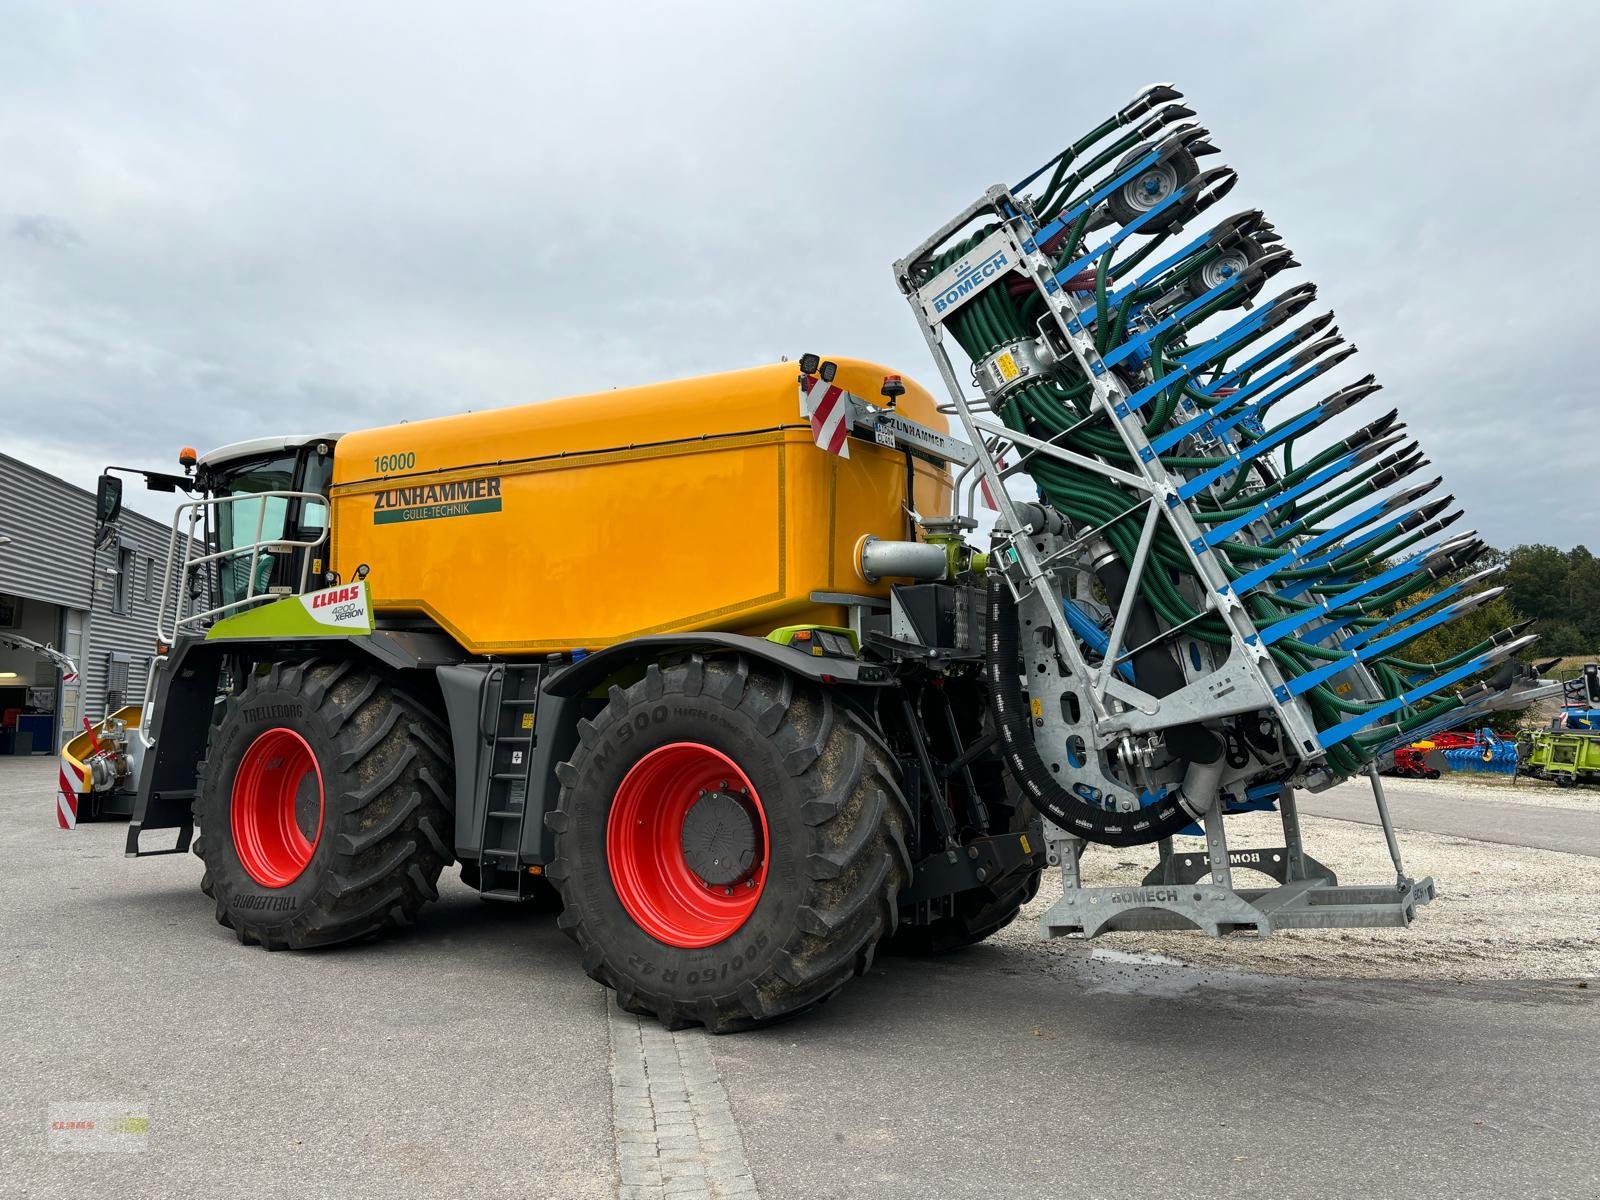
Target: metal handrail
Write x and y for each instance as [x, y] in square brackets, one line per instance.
[197, 511]
[147, 705]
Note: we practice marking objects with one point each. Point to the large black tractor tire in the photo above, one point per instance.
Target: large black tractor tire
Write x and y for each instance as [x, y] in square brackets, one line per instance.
[324, 801]
[976, 914]
[776, 881]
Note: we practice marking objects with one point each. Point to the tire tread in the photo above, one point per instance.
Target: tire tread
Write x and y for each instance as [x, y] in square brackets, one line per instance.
[856, 866]
[386, 805]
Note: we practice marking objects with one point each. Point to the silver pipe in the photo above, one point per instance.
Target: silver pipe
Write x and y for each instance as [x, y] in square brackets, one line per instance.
[878, 557]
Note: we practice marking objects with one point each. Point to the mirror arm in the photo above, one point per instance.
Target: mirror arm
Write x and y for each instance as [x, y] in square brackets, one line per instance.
[160, 481]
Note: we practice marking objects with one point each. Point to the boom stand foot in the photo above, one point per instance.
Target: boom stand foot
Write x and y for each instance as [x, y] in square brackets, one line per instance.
[1307, 895]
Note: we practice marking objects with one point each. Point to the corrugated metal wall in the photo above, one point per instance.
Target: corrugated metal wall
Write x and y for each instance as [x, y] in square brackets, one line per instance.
[50, 557]
[51, 527]
[140, 547]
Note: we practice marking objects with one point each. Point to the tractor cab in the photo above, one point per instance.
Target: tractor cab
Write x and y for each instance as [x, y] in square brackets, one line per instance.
[254, 528]
[267, 516]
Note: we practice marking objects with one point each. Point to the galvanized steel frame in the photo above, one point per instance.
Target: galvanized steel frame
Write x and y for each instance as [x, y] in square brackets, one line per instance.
[1026, 571]
[1307, 896]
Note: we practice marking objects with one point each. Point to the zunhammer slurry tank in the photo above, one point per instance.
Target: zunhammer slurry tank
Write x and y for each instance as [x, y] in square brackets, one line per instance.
[715, 668]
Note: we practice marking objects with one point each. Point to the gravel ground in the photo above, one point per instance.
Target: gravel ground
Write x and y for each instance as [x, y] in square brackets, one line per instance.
[1501, 912]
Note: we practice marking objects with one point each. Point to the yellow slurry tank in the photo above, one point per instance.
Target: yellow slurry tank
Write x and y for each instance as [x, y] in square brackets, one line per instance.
[702, 504]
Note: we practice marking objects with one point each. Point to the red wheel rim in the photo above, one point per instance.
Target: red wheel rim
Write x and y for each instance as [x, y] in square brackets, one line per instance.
[276, 791]
[653, 877]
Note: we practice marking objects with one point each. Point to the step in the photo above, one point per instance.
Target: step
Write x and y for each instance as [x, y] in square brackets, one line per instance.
[502, 894]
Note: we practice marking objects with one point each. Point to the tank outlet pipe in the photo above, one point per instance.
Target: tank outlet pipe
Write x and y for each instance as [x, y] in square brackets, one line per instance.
[1036, 518]
[878, 558]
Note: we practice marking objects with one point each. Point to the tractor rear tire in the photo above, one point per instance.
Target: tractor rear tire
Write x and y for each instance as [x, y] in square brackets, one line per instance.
[325, 802]
[756, 829]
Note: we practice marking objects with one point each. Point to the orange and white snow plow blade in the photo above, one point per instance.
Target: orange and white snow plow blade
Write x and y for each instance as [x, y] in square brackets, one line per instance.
[77, 772]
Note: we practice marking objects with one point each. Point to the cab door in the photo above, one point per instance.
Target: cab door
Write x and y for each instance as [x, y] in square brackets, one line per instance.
[308, 519]
[291, 530]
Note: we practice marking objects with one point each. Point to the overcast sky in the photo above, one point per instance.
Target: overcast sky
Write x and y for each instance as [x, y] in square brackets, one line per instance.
[219, 221]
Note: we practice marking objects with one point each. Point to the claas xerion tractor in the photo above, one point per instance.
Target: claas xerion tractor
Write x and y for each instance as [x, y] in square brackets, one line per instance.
[723, 669]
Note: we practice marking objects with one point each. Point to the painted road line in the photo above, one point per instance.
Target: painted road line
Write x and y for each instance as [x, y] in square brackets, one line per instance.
[675, 1130]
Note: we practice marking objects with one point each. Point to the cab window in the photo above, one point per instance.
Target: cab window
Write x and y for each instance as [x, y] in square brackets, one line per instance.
[252, 518]
[317, 477]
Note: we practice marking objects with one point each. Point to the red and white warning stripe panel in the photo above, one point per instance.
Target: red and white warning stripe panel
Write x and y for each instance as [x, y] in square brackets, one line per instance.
[827, 407]
[835, 413]
[67, 796]
[983, 484]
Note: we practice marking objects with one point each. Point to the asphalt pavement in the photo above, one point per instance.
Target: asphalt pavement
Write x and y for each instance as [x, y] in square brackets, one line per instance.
[1414, 805]
[473, 1057]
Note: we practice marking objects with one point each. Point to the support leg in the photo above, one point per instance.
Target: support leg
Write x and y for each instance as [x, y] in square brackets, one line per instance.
[1071, 851]
[1388, 825]
[1164, 867]
[1217, 847]
[1294, 850]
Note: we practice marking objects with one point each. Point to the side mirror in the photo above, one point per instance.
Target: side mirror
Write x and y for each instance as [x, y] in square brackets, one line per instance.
[108, 500]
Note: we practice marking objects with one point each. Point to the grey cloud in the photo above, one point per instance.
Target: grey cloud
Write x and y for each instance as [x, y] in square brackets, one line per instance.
[296, 216]
[46, 231]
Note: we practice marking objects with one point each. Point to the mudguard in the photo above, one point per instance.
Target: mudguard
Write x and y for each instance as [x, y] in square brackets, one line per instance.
[595, 669]
[186, 692]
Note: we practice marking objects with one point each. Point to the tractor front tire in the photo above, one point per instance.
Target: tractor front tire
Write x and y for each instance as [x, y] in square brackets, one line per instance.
[730, 844]
[324, 801]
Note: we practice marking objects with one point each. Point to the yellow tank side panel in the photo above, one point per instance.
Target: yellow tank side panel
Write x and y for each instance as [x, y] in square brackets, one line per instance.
[702, 504]
[758, 398]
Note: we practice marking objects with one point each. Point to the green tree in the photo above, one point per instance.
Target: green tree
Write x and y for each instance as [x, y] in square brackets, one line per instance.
[1560, 590]
[1439, 645]
[1536, 580]
[1582, 607]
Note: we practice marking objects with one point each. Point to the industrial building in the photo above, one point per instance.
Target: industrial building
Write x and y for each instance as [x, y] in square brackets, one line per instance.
[97, 604]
